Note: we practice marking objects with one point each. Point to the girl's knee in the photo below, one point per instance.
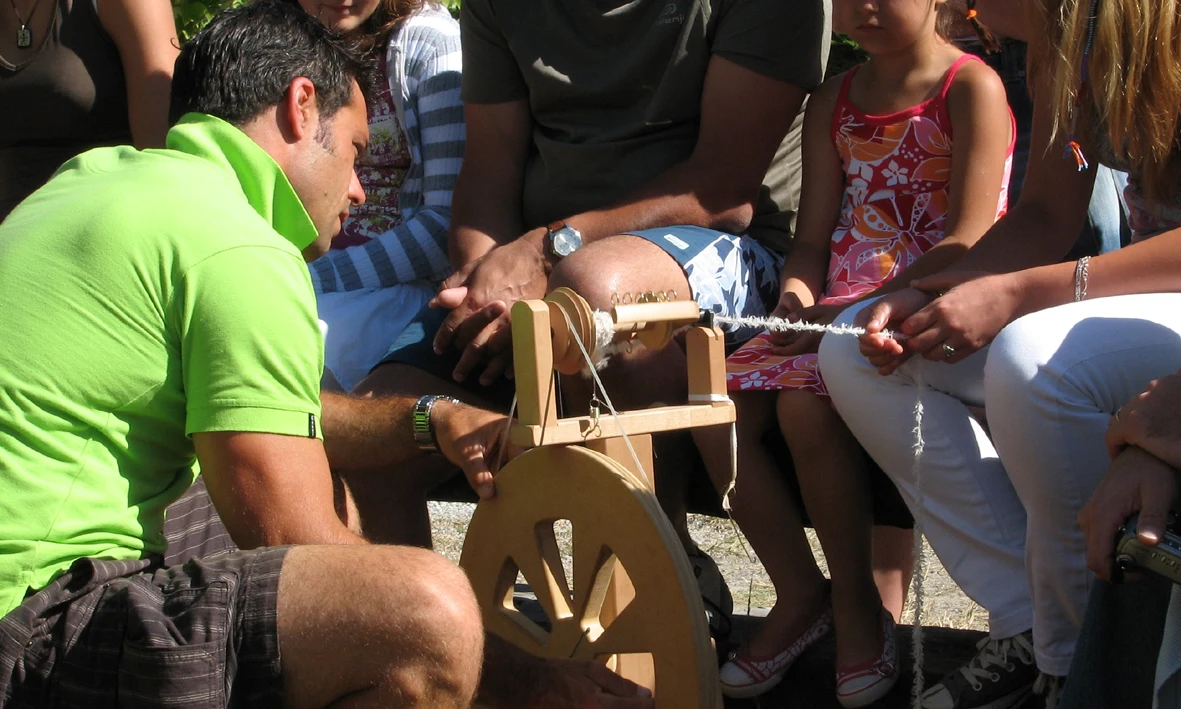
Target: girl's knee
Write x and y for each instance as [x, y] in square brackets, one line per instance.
[806, 419]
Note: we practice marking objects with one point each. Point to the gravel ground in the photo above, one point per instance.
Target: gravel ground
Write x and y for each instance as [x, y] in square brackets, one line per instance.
[944, 604]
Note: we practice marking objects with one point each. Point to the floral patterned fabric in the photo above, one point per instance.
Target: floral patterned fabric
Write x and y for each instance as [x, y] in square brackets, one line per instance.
[381, 170]
[897, 170]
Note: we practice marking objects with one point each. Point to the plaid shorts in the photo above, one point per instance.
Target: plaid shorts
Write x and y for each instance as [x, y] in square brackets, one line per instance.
[138, 634]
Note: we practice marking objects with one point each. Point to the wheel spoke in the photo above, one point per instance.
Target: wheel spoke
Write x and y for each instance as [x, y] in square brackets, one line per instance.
[538, 575]
[629, 633]
[594, 566]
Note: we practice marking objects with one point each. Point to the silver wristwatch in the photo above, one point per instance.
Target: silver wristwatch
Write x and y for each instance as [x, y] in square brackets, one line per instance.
[563, 239]
[423, 427]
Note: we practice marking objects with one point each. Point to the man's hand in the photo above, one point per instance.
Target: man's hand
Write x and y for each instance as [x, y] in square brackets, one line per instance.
[1136, 482]
[972, 309]
[480, 296]
[886, 353]
[1151, 421]
[471, 438]
[583, 684]
[790, 344]
[534, 683]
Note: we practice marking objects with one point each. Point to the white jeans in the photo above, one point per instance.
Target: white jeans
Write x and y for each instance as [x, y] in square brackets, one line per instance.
[1008, 533]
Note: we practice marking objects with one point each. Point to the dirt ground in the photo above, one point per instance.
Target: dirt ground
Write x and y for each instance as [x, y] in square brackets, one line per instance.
[944, 604]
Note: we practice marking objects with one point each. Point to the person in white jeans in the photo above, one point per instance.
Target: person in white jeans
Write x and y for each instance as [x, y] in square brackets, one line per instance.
[1050, 382]
[1050, 350]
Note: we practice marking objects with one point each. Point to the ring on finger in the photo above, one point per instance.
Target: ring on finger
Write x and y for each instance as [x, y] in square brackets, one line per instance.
[948, 350]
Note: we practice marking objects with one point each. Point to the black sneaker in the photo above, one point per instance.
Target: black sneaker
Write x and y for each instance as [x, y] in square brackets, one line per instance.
[719, 605]
[1000, 676]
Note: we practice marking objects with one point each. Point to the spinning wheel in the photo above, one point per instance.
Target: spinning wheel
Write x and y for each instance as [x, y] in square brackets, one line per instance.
[630, 599]
[617, 528]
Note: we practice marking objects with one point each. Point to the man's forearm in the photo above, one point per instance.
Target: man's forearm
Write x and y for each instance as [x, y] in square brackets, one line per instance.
[368, 432]
[680, 195]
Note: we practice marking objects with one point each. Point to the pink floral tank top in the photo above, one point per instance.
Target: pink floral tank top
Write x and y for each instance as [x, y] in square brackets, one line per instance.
[897, 174]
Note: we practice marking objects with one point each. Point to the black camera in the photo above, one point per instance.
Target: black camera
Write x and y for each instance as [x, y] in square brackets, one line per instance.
[1163, 558]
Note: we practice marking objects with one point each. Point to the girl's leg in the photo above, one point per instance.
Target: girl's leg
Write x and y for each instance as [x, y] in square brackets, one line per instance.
[1054, 379]
[835, 488]
[766, 510]
[893, 566]
[964, 499]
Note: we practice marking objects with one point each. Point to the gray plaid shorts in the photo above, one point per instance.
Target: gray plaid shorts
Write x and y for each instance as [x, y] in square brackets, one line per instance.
[138, 634]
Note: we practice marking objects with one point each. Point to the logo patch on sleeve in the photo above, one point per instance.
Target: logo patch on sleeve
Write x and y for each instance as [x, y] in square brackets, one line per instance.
[311, 425]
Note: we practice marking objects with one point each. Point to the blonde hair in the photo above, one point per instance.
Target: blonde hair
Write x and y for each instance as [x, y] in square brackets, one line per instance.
[1133, 82]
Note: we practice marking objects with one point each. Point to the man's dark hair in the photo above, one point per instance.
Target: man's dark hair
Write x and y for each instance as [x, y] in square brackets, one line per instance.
[244, 61]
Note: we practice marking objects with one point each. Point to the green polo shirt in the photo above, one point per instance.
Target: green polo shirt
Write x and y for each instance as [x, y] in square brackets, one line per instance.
[144, 296]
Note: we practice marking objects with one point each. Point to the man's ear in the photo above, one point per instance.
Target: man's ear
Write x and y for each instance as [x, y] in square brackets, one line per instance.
[299, 116]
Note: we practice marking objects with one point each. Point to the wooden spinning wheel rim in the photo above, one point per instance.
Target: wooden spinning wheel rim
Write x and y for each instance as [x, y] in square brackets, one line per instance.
[616, 521]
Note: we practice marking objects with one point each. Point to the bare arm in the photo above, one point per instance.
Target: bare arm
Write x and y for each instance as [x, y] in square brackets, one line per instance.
[486, 209]
[361, 433]
[744, 117]
[145, 34]
[271, 489]
[739, 144]
[1045, 223]
[806, 268]
[982, 129]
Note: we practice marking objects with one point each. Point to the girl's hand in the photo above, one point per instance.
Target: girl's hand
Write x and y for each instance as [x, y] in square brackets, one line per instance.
[886, 353]
[969, 311]
[806, 342]
[789, 304]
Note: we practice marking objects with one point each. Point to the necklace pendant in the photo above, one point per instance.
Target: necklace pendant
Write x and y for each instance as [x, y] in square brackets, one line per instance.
[24, 37]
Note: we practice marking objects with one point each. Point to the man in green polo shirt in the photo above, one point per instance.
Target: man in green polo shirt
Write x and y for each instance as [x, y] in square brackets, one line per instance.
[156, 311]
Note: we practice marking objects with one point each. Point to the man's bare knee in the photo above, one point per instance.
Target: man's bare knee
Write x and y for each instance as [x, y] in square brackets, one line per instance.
[451, 637]
[617, 265]
[384, 626]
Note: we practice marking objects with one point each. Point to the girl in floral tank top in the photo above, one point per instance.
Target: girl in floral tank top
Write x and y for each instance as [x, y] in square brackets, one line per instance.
[906, 159]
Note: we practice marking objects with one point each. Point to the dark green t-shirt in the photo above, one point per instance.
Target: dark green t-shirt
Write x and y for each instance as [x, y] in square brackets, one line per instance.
[615, 89]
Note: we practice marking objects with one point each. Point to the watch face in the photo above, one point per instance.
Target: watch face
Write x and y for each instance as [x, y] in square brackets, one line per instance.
[565, 241]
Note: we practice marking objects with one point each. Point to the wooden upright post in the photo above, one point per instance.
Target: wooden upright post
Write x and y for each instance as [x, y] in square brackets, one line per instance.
[705, 352]
[533, 363]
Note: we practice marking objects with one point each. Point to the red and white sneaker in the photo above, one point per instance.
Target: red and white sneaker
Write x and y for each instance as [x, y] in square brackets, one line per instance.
[745, 676]
[866, 683]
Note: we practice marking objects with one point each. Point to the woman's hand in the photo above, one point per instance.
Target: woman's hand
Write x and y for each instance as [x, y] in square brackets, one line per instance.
[798, 343]
[1151, 421]
[969, 311]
